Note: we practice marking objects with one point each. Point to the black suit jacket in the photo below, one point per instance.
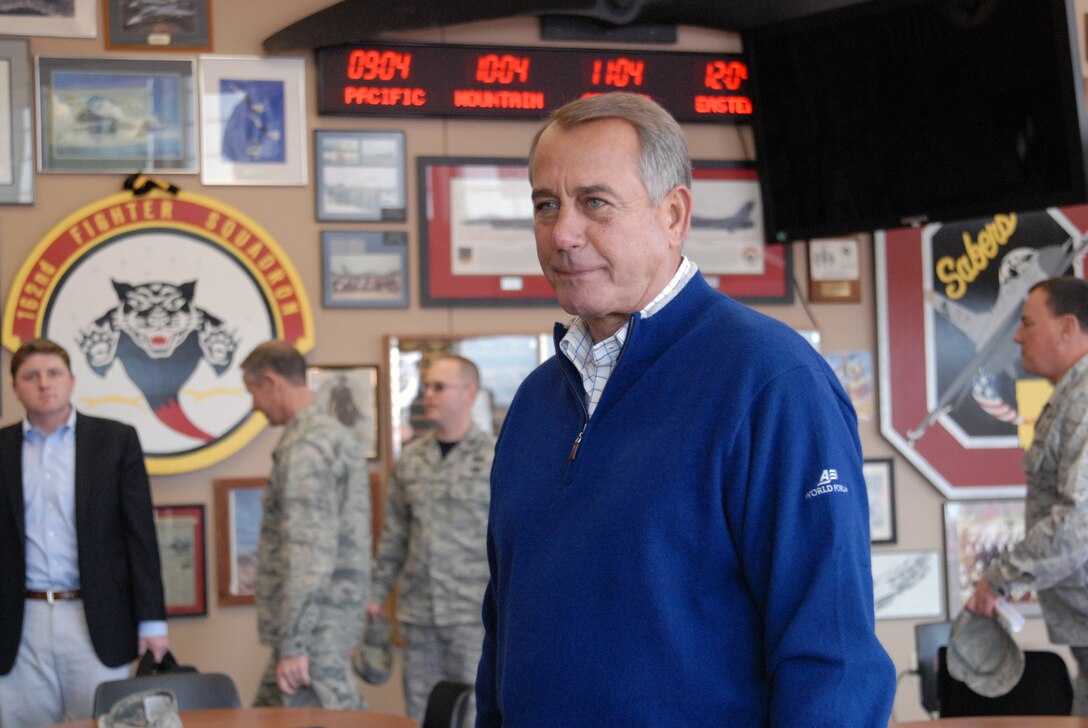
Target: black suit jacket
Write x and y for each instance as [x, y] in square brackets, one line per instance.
[119, 569]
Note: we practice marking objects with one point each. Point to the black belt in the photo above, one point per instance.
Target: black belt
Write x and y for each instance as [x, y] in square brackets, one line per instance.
[53, 595]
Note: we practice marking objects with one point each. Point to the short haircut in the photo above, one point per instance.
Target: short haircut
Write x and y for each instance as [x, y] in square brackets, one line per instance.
[469, 370]
[664, 162]
[40, 345]
[279, 357]
[1067, 295]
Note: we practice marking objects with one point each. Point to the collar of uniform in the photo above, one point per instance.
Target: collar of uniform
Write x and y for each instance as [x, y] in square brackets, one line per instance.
[1071, 379]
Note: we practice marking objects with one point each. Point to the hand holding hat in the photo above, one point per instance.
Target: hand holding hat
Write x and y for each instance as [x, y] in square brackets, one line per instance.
[982, 654]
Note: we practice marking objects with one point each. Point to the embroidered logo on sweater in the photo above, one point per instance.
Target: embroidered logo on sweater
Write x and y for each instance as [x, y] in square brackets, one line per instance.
[827, 484]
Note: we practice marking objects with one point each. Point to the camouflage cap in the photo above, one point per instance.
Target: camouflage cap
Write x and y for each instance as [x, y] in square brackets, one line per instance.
[373, 659]
[156, 708]
[983, 655]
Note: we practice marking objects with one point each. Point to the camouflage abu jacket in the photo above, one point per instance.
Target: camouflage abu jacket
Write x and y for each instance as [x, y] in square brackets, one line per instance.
[313, 559]
[434, 536]
[1053, 557]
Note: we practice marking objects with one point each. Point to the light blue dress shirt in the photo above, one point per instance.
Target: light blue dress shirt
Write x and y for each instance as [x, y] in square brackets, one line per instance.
[49, 502]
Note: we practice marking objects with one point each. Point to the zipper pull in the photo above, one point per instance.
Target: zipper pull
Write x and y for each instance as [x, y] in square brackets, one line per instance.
[574, 447]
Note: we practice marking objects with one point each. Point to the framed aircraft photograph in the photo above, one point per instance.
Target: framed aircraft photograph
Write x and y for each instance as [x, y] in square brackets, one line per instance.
[158, 25]
[726, 239]
[115, 115]
[65, 18]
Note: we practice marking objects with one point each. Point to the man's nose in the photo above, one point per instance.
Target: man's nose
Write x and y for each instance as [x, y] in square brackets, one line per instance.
[568, 232]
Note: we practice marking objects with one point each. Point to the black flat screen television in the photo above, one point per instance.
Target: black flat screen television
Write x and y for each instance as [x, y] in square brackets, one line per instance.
[901, 112]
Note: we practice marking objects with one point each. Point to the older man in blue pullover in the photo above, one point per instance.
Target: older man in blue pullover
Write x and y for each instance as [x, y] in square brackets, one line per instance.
[679, 530]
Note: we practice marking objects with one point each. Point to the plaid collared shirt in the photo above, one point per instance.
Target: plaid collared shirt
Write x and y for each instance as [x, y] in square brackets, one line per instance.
[595, 362]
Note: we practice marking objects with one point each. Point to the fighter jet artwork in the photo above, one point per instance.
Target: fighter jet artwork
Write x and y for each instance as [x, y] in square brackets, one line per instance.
[992, 331]
[739, 220]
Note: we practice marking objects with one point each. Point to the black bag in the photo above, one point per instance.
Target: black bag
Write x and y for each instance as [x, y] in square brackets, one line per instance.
[148, 666]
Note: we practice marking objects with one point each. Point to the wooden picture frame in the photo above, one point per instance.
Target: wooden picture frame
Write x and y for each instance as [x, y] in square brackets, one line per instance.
[364, 269]
[16, 128]
[880, 485]
[360, 176]
[975, 533]
[113, 115]
[253, 121]
[238, 509]
[349, 393]
[179, 25]
[834, 270]
[180, 530]
[62, 18]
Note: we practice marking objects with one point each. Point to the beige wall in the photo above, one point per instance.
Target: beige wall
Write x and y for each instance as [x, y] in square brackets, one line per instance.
[225, 640]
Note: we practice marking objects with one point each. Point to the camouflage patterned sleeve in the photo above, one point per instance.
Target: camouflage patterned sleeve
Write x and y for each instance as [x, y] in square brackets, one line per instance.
[310, 549]
[393, 544]
[1055, 544]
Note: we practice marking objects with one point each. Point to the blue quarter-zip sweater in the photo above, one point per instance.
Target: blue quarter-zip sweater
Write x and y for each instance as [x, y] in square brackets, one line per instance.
[703, 558]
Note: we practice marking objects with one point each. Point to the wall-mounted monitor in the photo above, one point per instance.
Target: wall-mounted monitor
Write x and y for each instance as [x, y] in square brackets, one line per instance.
[901, 112]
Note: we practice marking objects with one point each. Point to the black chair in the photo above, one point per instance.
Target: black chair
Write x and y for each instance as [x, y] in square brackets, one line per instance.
[929, 637]
[447, 704]
[193, 690]
[1044, 689]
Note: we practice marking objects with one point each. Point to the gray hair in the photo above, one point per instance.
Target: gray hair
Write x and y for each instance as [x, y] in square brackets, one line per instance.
[664, 162]
[279, 357]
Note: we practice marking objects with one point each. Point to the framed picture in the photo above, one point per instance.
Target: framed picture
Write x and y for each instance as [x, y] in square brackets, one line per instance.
[238, 511]
[113, 115]
[180, 531]
[477, 245]
[253, 120]
[68, 18]
[156, 24]
[880, 484]
[976, 533]
[364, 269]
[726, 239]
[16, 135]
[907, 584]
[476, 234]
[504, 360]
[360, 176]
[350, 394]
[834, 270]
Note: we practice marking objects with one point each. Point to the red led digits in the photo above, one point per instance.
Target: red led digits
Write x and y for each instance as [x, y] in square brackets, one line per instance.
[618, 72]
[725, 75]
[493, 68]
[368, 65]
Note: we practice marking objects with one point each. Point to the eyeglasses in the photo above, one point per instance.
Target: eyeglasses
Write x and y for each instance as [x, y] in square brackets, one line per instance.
[440, 387]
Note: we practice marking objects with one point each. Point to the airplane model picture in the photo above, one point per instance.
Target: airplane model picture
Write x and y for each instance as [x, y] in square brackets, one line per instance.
[992, 332]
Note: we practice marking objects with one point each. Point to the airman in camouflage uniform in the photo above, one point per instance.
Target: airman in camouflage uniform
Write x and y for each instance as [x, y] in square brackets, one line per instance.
[1053, 557]
[433, 541]
[313, 559]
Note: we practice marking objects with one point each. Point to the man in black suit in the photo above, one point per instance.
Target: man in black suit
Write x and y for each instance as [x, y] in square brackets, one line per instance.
[80, 583]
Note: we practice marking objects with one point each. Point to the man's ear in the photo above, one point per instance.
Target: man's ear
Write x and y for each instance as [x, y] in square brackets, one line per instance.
[676, 214]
